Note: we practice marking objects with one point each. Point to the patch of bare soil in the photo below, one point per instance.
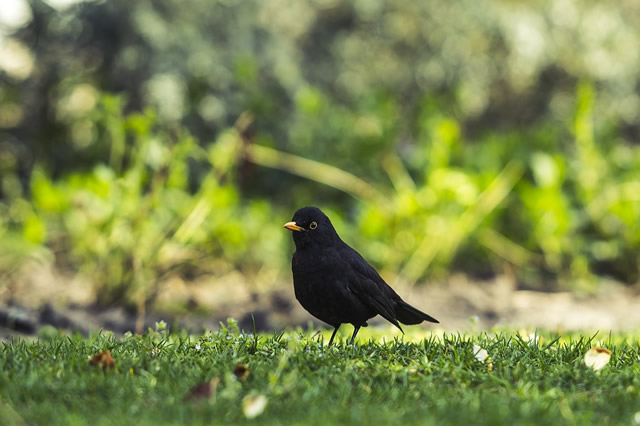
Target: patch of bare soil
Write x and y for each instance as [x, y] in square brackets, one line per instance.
[499, 303]
[47, 298]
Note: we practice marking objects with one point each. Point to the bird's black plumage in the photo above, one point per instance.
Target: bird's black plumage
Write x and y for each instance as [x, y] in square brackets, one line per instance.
[335, 284]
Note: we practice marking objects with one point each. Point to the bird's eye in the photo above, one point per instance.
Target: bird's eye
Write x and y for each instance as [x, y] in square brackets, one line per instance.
[313, 225]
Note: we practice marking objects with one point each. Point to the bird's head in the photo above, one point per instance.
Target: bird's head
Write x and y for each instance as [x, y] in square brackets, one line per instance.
[311, 226]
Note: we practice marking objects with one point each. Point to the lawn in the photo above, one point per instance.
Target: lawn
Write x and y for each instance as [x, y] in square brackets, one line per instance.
[231, 377]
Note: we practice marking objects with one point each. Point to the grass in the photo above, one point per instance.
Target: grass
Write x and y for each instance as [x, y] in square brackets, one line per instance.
[434, 379]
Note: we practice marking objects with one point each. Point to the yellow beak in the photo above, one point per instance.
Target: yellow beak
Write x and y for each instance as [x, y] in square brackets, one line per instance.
[293, 227]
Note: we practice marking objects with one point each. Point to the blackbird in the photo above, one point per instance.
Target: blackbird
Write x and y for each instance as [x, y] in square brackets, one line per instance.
[335, 284]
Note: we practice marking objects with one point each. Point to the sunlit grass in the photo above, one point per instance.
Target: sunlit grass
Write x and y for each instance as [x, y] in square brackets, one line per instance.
[423, 377]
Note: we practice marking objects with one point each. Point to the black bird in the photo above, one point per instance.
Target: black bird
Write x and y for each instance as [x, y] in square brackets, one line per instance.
[335, 284]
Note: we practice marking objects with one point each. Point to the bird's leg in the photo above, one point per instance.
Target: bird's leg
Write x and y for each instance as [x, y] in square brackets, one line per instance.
[355, 331]
[333, 335]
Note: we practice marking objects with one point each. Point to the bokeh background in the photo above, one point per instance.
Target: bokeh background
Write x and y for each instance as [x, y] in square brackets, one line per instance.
[150, 151]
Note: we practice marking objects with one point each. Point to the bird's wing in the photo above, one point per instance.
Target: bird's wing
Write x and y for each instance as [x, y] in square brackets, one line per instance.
[369, 286]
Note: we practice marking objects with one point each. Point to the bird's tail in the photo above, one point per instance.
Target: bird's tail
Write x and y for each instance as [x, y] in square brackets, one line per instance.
[409, 315]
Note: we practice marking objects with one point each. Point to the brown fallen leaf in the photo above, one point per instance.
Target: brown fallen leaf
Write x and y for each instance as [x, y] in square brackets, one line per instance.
[241, 371]
[103, 359]
[203, 390]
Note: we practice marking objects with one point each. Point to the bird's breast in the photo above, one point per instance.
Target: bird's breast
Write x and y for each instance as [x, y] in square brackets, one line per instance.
[320, 283]
[314, 266]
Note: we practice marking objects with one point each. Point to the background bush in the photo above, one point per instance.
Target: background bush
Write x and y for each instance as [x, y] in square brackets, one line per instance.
[141, 139]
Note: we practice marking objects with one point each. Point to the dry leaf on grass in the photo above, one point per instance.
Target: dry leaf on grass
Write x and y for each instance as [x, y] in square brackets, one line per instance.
[203, 390]
[253, 405]
[103, 359]
[597, 358]
[241, 371]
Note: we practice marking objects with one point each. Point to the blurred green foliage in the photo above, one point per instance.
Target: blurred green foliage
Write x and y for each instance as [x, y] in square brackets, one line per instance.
[473, 136]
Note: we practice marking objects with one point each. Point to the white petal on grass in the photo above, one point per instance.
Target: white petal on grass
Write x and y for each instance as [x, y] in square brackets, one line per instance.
[253, 406]
[636, 418]
[597, 358]
[480, 354]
